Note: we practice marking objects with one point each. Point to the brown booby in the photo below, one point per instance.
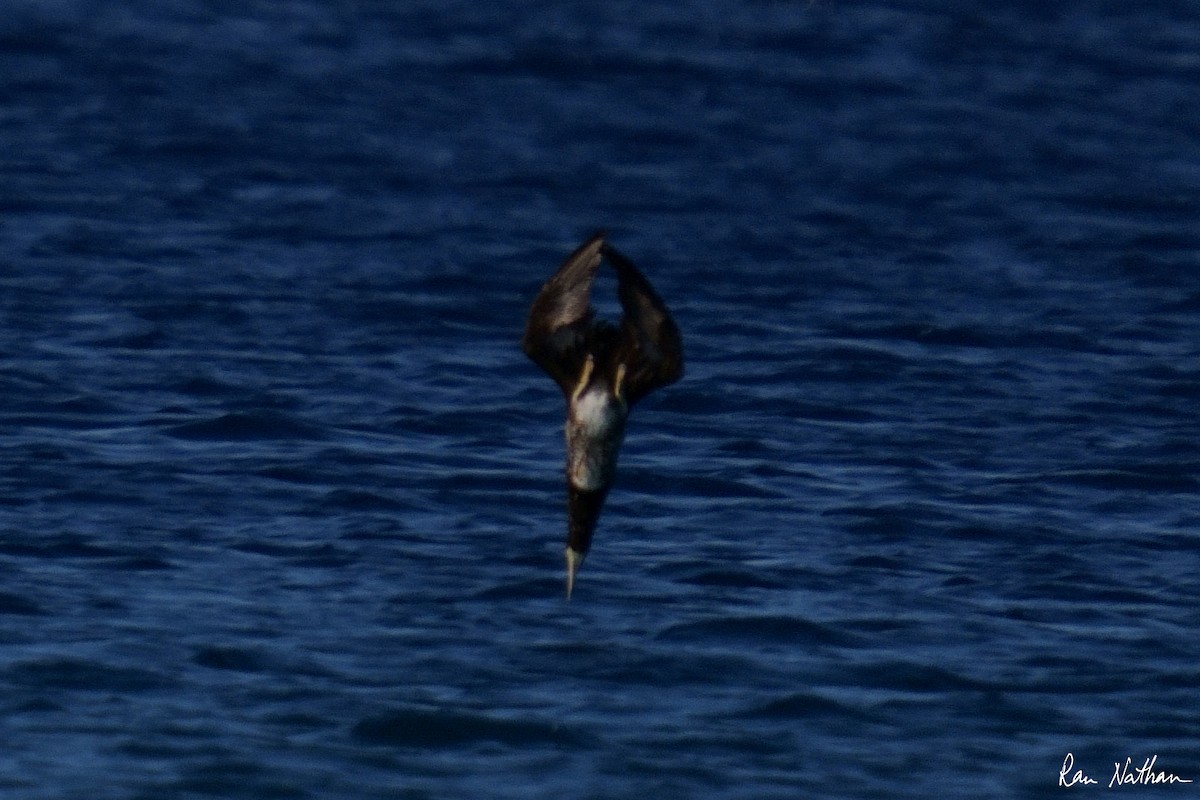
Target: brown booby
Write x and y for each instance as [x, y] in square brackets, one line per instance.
[602, 369]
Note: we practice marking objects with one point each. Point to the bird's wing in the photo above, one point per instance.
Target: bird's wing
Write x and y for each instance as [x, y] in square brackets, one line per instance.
[561, 316]
[650, 344]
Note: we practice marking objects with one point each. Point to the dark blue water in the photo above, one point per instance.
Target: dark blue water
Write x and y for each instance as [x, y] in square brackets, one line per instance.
[281, 512]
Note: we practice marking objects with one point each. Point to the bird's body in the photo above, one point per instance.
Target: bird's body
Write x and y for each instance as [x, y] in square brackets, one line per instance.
[595, 429]
[602, 369]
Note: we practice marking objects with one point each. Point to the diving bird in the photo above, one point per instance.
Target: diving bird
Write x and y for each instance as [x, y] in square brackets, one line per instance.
[603, 371]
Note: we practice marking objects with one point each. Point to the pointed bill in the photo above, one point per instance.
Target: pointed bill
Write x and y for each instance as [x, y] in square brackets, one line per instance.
[574, 559]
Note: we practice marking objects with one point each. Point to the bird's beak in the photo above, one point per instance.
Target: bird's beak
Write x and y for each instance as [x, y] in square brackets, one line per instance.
[574, 560]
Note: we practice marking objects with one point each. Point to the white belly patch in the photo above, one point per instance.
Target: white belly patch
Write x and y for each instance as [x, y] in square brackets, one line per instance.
[597, 412]
[595, 429]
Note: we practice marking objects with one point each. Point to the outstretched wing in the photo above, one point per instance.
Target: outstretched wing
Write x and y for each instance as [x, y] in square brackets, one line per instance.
[561, 316]
[650, 348]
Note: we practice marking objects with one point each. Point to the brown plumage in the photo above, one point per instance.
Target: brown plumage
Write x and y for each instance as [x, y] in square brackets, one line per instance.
[602, 370]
